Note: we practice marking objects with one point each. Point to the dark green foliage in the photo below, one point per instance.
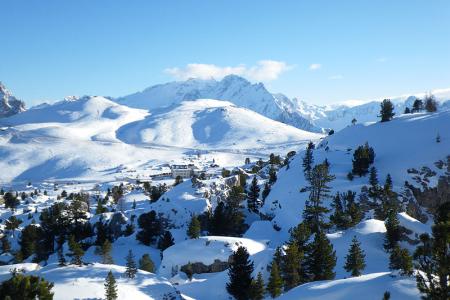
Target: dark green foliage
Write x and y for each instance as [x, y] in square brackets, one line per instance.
[131, 269]
[146, 264]
[272, 175]
[157, 191]
[28, 240]
[253, 203]
[165, 241]
[432, 258]
[226, 173]
[417, 106]
[321, 258]
[105, 252]
[275, 284]
[300, 235]
[430, 103]
[314, 212]
[178, 180]
[26, 287]
[76, 250]
[407, 110]
[12, 223]
[10, 200]
[110, 287]
[355, 259]
[393, 231]
[274, 159]
[386, 295]
[308, 160]
[400, 260]
[151, 228]
[266, 191]
[188, 270]
[386, 110]
[100, 207]
[5, 244]
[194, 228]
[363, 157]
[291, 268]
[240, 274]
[257, 288]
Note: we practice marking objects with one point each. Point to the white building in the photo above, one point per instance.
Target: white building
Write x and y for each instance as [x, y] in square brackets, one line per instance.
[185, 171]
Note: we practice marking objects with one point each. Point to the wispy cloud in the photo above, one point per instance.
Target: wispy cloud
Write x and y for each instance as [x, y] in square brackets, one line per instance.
[336, 77]
[264, 70]
[314, 67]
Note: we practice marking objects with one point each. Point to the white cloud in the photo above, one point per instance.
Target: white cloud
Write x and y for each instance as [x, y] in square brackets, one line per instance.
[314, 67]
[264, 70]
[336, 77]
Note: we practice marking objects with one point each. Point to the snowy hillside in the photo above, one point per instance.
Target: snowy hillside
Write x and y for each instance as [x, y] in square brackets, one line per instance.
[92, 137]
[232, 88]
[9, 105]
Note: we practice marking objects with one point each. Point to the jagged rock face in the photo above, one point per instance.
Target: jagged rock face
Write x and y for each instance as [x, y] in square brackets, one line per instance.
[9, 105]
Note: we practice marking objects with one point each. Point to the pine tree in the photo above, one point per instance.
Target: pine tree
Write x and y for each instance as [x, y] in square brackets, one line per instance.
[76, 251]
[386, 295]
[400, 259]
[314, 211]
[106, 252]
[240, 274]
[393, 231]
[363, 157]
[272, 175]
[321, 258]
[5, 244]
[355, 259]
[430, 103]
[266, 191]
[12, 223]
[387, 110]
[308, 160]
[61, 257]
[194, 228]
[146, 264]
[131, 268]
[253, 202]
[417, 106]
[257, 288]
[26, 287]
[275, 284]
[151, 227]
[291, 267]
[407, 110]
[165, 241]
[10, 200]
[300, 235]
[433, 259]
[110, 287]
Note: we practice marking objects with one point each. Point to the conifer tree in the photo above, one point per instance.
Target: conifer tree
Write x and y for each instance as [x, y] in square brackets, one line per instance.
[300, 235]
[387, 110]
[131, 268]
[240, 274]
[430, 103]
[314, 211]
[363, 157]
[386, 295]
[393, 231]
[400, 259]
[321, 258]
[253, 202]
[407, 110]
[355, 262]
[26, 287]
[110, 287]
[12, 223]
[105, 250]
[10, 200]
[257, 288]
[308, 160]
[266, 191]
[61, 257]
[291, 267]
[272, 175]
[5, 244]
[146, 264]
[194, 228]
[76, 251]
[417, 106]
[275, 284]
[165, 241]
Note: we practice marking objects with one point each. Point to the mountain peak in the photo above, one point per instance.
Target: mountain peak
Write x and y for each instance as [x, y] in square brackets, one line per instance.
[9, 105]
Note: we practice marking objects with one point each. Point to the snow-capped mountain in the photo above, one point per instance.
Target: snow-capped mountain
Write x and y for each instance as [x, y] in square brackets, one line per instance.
[51, 141]
[232, 88]
[9, 105]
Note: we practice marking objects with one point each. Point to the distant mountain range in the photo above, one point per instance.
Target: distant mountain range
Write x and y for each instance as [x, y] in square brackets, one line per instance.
[9, 105]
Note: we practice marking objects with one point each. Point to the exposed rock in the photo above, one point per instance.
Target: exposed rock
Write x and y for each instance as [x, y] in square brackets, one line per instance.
[9, 105]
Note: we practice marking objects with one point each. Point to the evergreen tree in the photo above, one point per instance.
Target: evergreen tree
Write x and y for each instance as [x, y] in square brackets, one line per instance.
[194, 228]
[178, 180]
[291, 267]
[76, 251]
[314, 211]
[393, 231]
[407, 110]
[300, 235]
[272, 175]
[257, 288]
[105, 251]
[430, 103]
[5, 244]
[26, 287]
[321, 258]
[338, 218]
[387, 110]
[165, 241]
[275, 284]
[110, 287]
[100, 207]
[146, 264]
[10, 200]
[253, 202]
[308, 160]
[151, 227]
[363, 157]
[61, 257]
[386, 295]
[131, 268]
[400, 259]
[355, 262]
[417, 105]
[266, 191]
[433, 258]
[28, 240]
[12, 223]
[240, 274]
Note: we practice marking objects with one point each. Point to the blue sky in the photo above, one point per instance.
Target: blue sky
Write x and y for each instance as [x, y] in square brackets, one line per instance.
[320, 51]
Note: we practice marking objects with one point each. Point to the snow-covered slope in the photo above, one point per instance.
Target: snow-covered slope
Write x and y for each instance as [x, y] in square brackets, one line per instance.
[231, 88]
[9, 105]
[91, 137]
